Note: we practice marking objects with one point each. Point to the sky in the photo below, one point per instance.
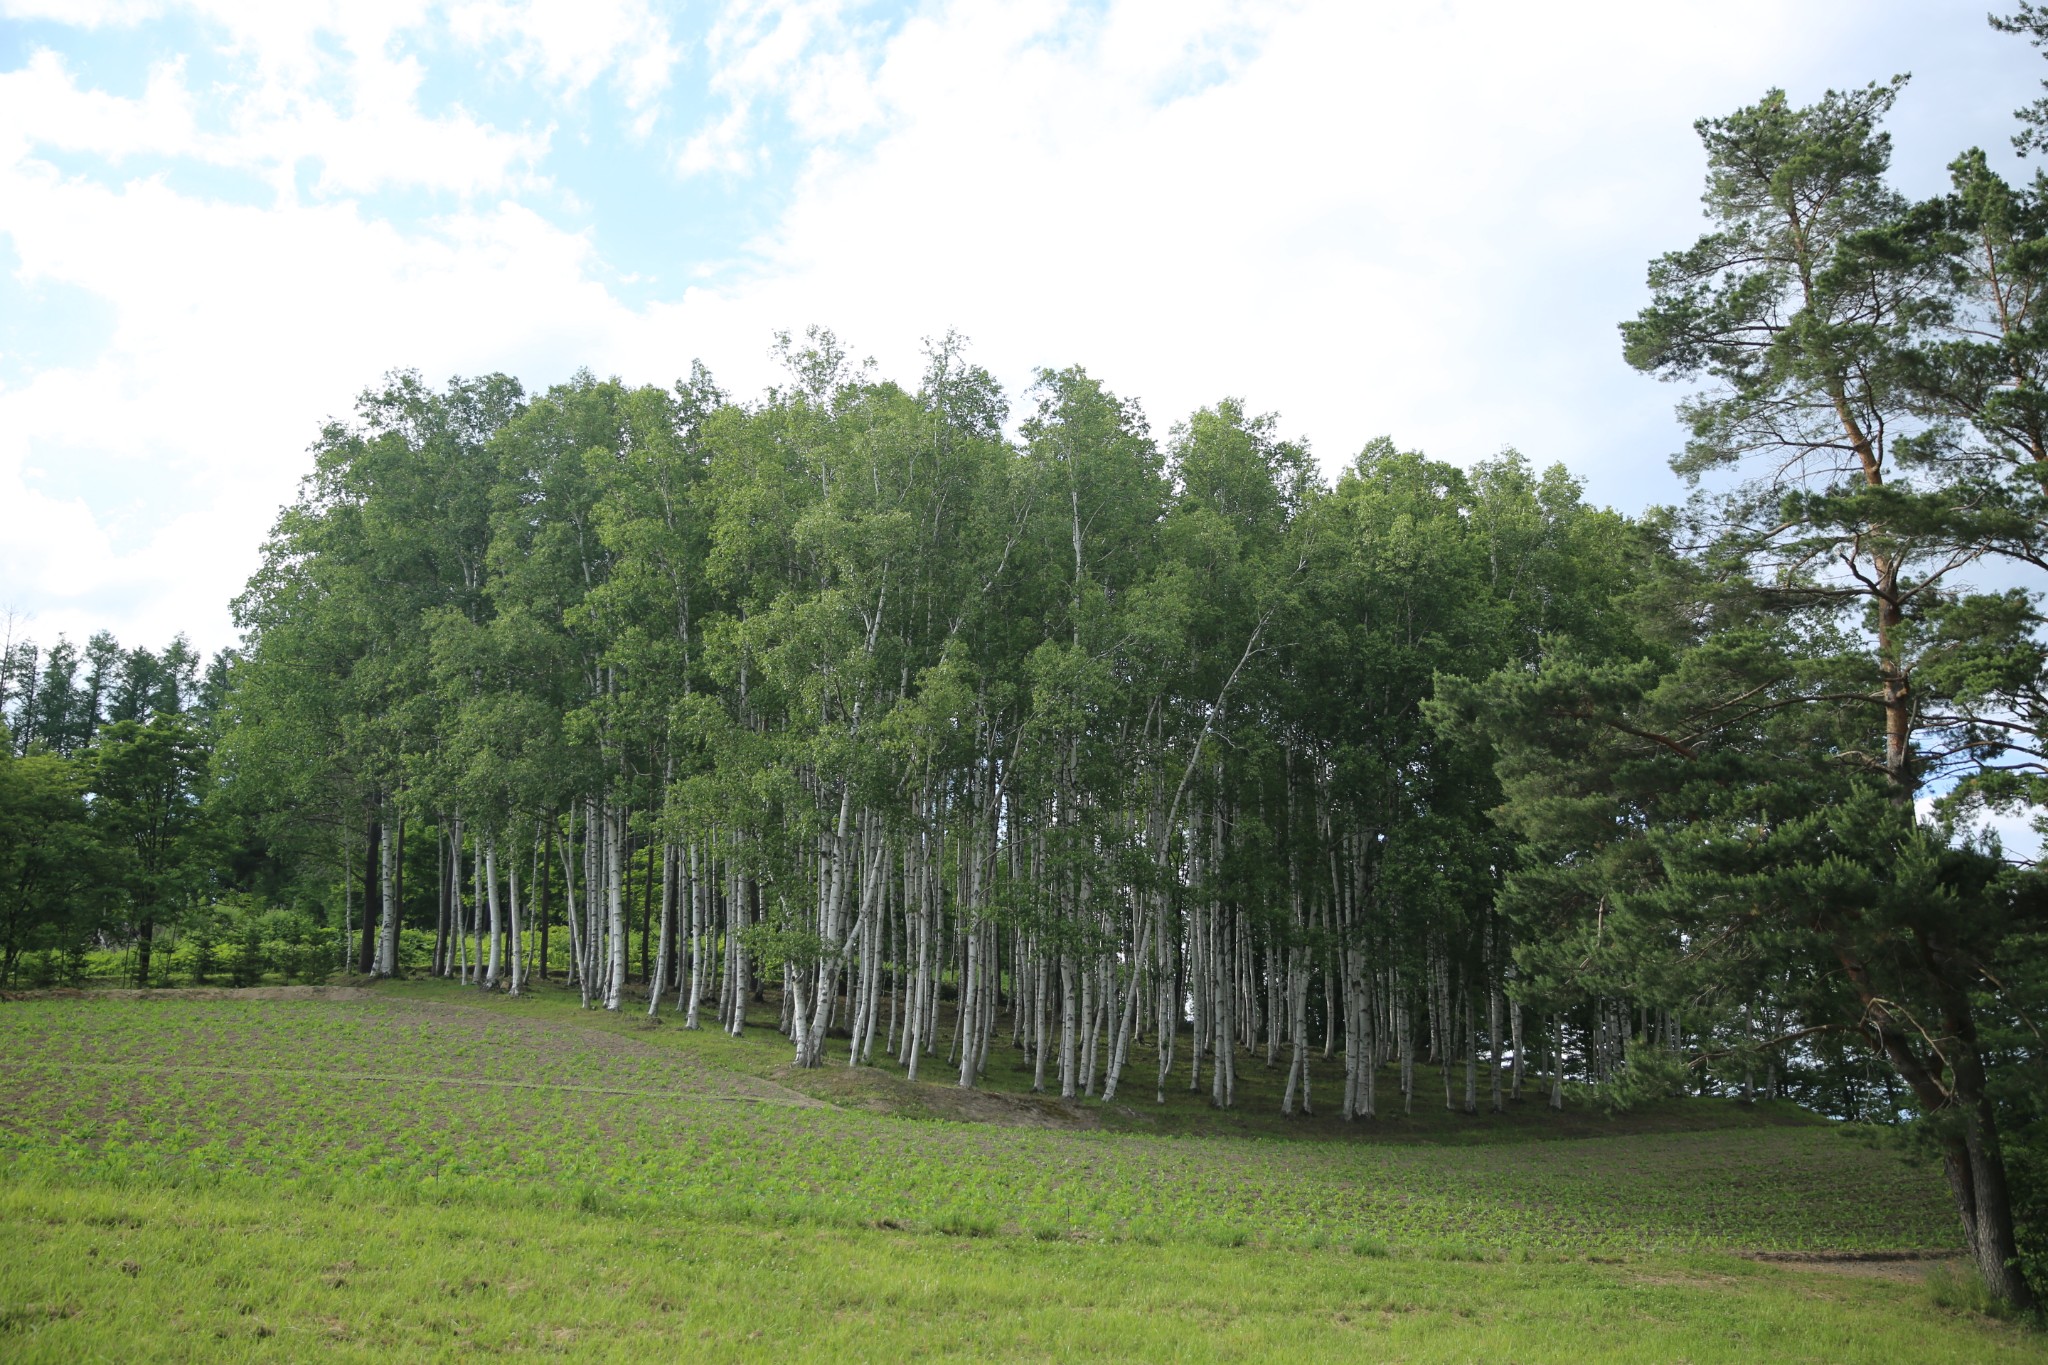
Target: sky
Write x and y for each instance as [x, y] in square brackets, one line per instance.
[220, 221]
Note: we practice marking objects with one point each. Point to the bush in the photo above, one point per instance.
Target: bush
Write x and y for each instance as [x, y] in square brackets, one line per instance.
[205, 960]
[45, 969]
[248, 964]
[304, 962]
[195, 951]
[1647, 1073]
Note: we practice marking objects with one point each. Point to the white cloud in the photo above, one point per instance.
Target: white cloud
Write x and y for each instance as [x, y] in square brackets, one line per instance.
[724, 146]
[159, 463]
[1423, 220]
[1336, 208]
[42, 104]
[327, 82]
[803, 57]
[237, 331]
[84, 13]
[571, 45]
[376, 139]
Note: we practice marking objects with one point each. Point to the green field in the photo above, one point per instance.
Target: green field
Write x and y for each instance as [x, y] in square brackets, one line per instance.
[420, 1171]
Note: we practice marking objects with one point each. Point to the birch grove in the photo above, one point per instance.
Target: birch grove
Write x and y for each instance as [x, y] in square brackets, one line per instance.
[936, 738]
[928, 735]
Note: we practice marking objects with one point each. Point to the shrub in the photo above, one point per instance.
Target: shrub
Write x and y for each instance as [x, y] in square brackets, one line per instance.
[248, 964]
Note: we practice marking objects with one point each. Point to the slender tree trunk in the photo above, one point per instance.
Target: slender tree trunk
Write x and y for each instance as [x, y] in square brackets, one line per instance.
[373, 901]
[348, 904]
[491, 964]
[970, 1006]
[698, 945]
[1405, 1027]
[1515, 1025]
[458, 921]
[615, 903]
[1557, 1065]
[513, 966]
[740, 913]
[1128, 1016]
[1471, 1056]
[1297, 1000]
[577, 958]
[394, 899]
[440, 967]
[547, 899]
[656, 980]
[387, 929]
[1493, 1013]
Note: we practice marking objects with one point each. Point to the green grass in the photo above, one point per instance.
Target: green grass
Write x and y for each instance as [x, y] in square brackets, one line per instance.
[520, 1174]
[481, 1102]
[140, 1274]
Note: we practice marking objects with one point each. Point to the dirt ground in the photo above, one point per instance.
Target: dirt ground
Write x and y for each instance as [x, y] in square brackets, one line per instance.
[1906, 1267]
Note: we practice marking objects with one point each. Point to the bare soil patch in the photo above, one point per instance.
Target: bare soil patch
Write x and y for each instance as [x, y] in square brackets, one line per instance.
[1903, 1267]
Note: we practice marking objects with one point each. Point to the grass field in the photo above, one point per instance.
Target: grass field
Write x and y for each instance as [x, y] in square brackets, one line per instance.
[417, 1172]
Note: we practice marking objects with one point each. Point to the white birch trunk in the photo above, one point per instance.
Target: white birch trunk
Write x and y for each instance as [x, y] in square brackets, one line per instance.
[458, 925]
[490, 981]
[387, 923]
[1068, 1066]
[740, 914]
[515, 959]
[578, 962]
[615, 905]
[1091, 1010]
[970, 1008]
[1128, 1017]
[657, 980]
[1297, 999]
[695, 893]
[799, 1013]
[1039, 977]
[920, 985]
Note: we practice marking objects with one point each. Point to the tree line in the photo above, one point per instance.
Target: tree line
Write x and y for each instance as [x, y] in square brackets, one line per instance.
[956, 726]
[104, 835]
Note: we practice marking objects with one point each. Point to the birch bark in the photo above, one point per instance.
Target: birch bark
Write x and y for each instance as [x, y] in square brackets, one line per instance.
[615, 904]
[387, 923]
[490, 978]
[514, 927]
